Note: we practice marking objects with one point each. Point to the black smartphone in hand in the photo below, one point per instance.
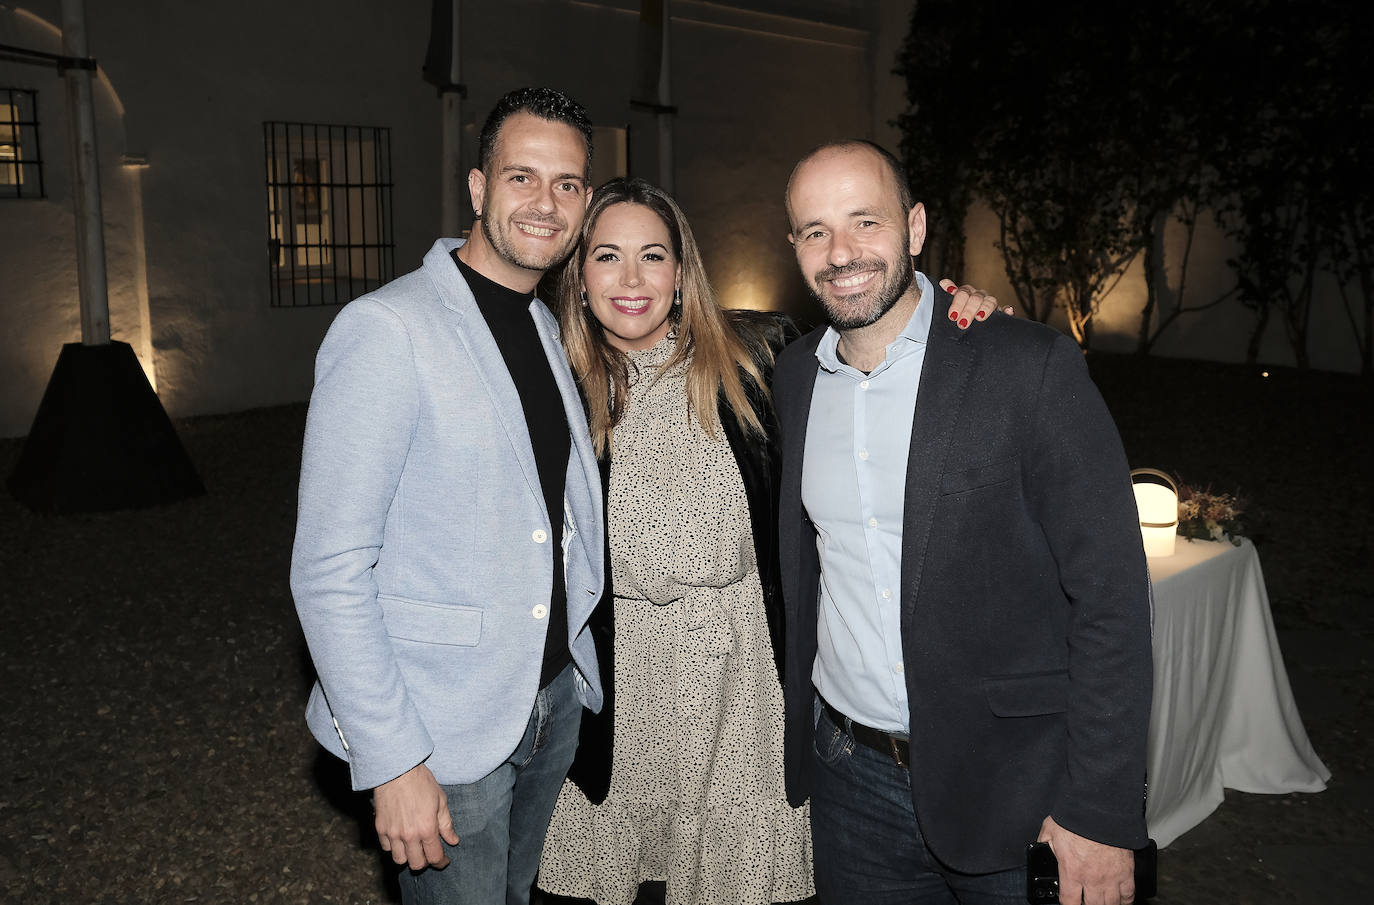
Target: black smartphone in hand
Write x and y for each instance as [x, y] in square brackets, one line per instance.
[1042, 873]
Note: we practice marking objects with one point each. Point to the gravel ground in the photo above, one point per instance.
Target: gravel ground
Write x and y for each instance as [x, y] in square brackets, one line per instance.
[155, 676]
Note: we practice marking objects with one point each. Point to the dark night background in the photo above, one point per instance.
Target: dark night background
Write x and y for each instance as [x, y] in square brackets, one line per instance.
[155, 675]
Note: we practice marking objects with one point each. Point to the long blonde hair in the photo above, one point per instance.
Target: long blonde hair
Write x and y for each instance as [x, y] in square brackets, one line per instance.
[716, 349]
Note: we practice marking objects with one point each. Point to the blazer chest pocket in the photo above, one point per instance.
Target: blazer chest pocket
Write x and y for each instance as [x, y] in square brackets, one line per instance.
[967, 479]
[431, 623]
[1028, 694]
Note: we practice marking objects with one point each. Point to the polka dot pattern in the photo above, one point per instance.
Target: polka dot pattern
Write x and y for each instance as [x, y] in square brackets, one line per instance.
[696, 795]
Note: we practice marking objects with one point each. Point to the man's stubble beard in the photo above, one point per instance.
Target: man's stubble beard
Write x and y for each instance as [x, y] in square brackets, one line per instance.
[499, 241]
[870, 308]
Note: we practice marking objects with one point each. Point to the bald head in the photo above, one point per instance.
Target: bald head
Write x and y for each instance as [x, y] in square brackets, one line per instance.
[859, 148]
[854, 231]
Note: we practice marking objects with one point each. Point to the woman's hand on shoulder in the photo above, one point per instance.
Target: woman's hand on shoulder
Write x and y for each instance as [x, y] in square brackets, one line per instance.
[968, 304]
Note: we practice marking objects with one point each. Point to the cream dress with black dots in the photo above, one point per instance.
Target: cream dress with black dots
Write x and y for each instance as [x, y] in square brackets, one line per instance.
[696, 795]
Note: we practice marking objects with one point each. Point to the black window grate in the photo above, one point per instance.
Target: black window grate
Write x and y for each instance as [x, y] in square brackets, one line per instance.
[329, 217]
[21, 156]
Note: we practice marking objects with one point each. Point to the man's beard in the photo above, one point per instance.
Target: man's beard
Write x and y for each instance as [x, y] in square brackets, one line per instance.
[864, 309]
[500, 240]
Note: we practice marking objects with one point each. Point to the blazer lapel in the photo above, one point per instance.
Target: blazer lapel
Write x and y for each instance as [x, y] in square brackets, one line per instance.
[944, 378]
[793, 420]
[583, 497]
[475, 335]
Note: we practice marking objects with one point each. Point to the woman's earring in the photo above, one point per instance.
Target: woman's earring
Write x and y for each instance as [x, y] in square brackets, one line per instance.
[584, 298]
[677, 296]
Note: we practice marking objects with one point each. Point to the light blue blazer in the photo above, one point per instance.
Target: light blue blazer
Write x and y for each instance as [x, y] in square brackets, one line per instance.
[423, 560]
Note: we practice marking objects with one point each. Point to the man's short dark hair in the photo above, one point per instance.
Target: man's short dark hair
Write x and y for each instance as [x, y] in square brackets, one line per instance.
[849, 144]
[545, 103]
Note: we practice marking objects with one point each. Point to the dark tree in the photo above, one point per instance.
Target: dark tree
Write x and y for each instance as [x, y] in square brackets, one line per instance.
[1026, 124]
[1346, 229]
[1172, 87]
[1091, 129]
[1277, 177]
[934, 146]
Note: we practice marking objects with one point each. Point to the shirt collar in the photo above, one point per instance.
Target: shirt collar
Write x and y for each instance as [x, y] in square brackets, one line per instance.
[915, 333]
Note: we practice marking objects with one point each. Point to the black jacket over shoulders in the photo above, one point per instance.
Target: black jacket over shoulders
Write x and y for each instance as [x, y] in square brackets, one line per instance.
[759, 460]
[1025, 602]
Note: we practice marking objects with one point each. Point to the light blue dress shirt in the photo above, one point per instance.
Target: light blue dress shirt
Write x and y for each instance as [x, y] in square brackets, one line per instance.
[854, 488]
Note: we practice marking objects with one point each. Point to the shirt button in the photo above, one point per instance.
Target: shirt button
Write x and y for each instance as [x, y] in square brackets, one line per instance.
[887, 593]
[540, 611]
[863, 454]
[898, 668]
[872, 523]
[539, 536]
[863, 385]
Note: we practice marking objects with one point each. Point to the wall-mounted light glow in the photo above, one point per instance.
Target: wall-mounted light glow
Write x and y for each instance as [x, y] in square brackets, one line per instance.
[749, 294]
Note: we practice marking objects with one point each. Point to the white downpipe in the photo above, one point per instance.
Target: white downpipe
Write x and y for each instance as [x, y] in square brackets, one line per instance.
[90, 229]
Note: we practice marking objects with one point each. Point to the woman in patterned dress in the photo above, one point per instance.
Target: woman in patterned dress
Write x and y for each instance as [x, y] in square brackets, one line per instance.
[678, 780]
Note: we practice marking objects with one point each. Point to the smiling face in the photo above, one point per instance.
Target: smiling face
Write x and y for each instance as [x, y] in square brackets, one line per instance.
[531, 201]
[630, 274]
[852, 238]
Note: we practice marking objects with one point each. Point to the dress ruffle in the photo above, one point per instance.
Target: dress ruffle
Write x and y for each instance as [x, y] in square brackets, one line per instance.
[758, 851]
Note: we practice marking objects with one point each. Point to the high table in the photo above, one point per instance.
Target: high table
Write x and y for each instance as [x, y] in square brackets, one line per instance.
[1223, 713]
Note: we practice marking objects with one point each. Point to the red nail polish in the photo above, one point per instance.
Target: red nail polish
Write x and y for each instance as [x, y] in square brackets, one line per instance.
[963, 322]
[951, 289]
[982, 315]
[954, 315]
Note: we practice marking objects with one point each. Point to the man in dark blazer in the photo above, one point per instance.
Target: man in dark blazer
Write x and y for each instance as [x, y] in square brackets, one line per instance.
[968, 610]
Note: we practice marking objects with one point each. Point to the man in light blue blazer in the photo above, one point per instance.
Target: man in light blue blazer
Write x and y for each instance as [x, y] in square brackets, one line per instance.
[450, 535]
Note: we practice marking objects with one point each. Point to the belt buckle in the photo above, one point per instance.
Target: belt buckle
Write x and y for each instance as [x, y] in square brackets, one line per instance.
[894, 750]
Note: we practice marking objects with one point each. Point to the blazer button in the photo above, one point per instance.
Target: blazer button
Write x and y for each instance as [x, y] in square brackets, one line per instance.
[540, 535]
[540, 611]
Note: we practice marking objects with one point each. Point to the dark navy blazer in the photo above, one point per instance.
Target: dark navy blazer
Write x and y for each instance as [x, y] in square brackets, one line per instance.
[1025, 596]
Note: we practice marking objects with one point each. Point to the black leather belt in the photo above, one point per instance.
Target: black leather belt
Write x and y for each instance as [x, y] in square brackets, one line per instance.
[894, 746]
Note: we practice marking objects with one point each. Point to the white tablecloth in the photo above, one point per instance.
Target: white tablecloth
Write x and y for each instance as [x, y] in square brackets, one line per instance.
[1223, 711]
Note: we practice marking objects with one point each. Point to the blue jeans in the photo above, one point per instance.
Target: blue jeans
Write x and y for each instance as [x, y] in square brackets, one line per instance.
[866, 843]
[501, 819]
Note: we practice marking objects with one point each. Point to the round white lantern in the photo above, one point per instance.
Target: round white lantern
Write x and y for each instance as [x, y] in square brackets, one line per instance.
[1157, 506]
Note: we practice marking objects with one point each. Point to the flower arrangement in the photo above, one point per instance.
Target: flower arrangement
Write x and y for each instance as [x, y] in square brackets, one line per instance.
[1206, 515]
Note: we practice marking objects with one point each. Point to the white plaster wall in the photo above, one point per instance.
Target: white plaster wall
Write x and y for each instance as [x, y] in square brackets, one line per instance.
[754, 84]
[196, 104]
[742, 126]
[40, 307]
[186, 236]
[754, 88]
